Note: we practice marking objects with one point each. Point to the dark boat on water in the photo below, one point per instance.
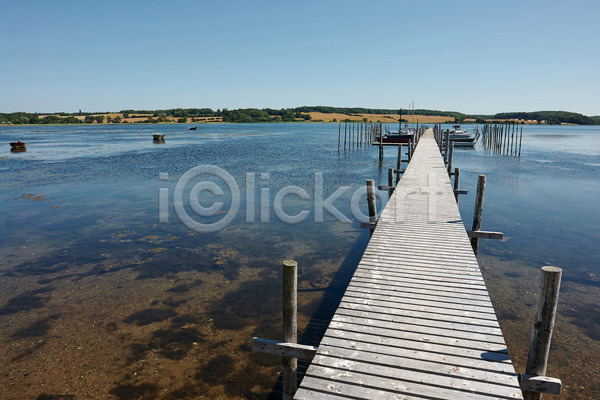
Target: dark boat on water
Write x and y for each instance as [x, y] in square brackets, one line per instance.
[395, 137]
[18, 146]
[158, 138]
[192, 128]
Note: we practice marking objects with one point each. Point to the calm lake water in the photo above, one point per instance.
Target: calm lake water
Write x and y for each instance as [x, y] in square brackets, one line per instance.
[102, 297]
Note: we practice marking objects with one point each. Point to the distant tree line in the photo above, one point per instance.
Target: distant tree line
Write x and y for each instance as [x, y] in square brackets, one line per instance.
[249, 115]
[551, 117]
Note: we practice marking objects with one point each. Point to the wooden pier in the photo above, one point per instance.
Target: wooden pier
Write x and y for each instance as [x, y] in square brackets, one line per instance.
[416, 321]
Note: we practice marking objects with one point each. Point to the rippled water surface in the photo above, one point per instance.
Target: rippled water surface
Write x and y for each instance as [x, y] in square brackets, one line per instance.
[100, 299]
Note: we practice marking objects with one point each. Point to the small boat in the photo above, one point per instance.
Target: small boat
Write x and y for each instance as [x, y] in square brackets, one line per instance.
[192, 128]
[464, 144]
[463, 139]
[395, 137]
[18, 146]
[457, 130]
[158, 137]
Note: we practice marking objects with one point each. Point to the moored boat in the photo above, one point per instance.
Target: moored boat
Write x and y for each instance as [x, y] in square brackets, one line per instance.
[464, 144]
[462, 139]
[18, 146]
[192, 128]
[158, 137]
[395, 137]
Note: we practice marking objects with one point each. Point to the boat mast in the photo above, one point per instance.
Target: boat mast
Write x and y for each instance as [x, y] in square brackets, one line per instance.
[400, 122]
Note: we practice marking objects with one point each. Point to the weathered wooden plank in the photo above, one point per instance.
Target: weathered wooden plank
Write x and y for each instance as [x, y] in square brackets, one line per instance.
[540, 384]
[399, 291]
[377, 292]
[485, 235]
[393, 301]
[417, 313]
[420, 334]
[409, 321]
[406, 381]
[445, 355]
[284, 349]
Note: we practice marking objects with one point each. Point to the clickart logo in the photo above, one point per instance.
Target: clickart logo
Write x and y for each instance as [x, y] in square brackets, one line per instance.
[207, 198]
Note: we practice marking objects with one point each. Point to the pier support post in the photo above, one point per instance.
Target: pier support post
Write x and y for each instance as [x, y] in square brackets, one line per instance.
[446, 145]
[380, 142]
[290, 326]
[372, 202]
[543, 325]
[451, 144]
[478, 211]
[456, 183]
[390, 181]
[399, 162]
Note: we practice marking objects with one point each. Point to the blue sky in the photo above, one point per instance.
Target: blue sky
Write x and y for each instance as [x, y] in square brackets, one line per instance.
[472, 56]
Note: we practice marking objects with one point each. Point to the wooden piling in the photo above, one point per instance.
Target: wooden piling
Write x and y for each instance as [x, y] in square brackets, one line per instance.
[380, 143]
[390, 181]
[543, 325]
[339, 135]
[290, 326]
[520, 141]
[478, 212]
[456, 183]
[372, 202]
[446, 145]
[345, 134]
[399, 162]
[451, 144]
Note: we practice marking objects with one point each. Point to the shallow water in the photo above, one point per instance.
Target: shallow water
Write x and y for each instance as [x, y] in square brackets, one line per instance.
[100, 298]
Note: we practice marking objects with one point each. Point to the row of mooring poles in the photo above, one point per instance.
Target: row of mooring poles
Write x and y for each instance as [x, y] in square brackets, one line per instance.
[503, 139]
[358, 134]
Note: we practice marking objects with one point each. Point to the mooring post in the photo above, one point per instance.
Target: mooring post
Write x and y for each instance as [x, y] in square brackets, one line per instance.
[380, 142]
[478, 212]
[520, 141]
[339, 135]
[451, 144]
[290, 326]
[543, 325]
[390, 181]
[456, 183]
[446, 145]
[399, 162]
[345, 134]
[372, 202]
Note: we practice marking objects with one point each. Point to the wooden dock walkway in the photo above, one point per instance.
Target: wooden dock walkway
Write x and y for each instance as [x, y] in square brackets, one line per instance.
[416, 321]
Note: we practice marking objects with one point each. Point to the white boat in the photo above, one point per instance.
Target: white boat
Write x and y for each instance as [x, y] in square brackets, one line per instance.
[464, 144]
[457, 131]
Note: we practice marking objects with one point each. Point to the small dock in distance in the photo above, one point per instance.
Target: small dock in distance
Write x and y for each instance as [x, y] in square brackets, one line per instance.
[416, 321]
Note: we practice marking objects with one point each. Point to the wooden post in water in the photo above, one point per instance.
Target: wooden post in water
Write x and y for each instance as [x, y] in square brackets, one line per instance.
[520, 141]
[339, 135]
[446, 145]
[451, 144]
[345, 134]
[456, 183]
[399, 162]
[380, 143]
[290, 326]
[360, 135]
[372, 202]
[390, 181]
[543, 325]
[478, 212]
